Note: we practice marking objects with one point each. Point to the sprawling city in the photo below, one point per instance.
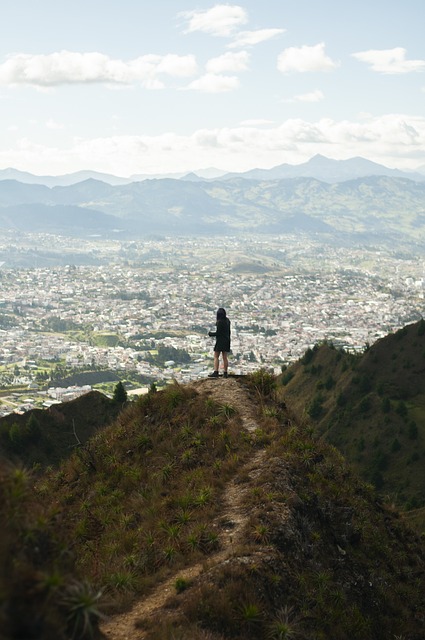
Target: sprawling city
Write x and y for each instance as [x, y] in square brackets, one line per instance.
[80, 314]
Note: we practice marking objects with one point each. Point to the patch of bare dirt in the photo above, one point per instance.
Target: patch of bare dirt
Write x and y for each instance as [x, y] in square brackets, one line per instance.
[230, 391]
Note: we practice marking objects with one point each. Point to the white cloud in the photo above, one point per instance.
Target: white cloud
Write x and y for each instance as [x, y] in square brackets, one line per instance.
[390, 61]
[394, 140]
[52, 124]
[251, 38]
[312, 96]
[67, 67]
[304, 59]
[221, 20]
[174, 65]
[232, 62]
[214, 83]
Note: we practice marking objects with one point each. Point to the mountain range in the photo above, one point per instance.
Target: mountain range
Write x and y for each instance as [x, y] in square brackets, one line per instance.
[329, 170]
[282, 200]
[319, 167]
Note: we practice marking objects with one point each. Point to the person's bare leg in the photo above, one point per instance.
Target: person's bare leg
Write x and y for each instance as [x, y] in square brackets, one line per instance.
[225, 361]
[216, 362]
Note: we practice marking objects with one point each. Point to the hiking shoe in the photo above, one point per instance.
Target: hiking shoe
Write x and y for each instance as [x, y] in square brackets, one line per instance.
[225, 375]
[214, 374]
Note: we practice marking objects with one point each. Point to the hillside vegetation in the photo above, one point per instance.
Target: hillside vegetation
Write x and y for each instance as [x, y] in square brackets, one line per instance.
[371, 406]
[206, 511]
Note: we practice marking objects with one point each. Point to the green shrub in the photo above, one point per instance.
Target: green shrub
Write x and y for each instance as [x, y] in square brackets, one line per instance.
[287, 378]
[386, 405]
[365, 384]
[395, 446]
[401, 408]
[412, 430]
[341, 400]
[263, 381]
[365, 404]
[361, 445]
[308, 356]
[315, 408]
[329, 382]
[181, 584]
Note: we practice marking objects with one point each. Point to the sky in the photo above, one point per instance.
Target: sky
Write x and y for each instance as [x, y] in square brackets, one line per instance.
[131, 87]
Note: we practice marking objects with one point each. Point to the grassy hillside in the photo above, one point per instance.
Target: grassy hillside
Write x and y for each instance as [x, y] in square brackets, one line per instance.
[206, 511]
[372, 407]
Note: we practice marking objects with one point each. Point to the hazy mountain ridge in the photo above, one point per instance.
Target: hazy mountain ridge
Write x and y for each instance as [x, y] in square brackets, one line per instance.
[328, 170]
[372, 206]
[71, 219]
[319, 167]
[69, 179]
[65, 180]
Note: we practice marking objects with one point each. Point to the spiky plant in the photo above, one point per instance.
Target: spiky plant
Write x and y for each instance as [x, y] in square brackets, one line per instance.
[124, 580]
[172, 530]
[184, 516]
[227, 410]
[284, 626]
[261, 533]
[170, 553]
[81, 602]
[270, 412]
[204, 496]
[251, 614]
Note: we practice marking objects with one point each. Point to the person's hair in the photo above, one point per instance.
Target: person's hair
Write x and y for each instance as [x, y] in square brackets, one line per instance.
[221, 313]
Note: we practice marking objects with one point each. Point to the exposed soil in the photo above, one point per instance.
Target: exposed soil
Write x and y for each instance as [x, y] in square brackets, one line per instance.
[230, 524]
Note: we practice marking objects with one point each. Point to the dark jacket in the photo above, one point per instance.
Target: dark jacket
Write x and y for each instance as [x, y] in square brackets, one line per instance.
[222, 335]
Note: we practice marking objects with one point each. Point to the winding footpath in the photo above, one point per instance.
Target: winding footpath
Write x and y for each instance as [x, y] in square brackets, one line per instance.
[231, 392]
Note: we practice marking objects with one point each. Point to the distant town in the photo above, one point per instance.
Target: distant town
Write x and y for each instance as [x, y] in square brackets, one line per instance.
[140, 311]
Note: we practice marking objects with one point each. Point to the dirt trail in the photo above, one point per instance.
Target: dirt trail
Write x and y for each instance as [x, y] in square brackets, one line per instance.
[230, 522]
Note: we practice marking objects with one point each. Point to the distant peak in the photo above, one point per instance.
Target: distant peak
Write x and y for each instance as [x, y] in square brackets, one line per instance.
[319, 156]
[319, 159]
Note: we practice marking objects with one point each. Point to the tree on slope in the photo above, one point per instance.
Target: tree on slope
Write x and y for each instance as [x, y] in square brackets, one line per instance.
[120, 394]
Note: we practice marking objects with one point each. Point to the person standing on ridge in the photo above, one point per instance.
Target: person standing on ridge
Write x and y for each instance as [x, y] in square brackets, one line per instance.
[222, 344]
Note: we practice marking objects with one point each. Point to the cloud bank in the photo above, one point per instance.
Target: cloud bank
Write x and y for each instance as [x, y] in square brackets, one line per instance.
[392, 140]
[68, 67]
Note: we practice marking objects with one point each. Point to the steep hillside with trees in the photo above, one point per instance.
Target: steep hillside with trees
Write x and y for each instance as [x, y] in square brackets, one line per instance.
[371, 406]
